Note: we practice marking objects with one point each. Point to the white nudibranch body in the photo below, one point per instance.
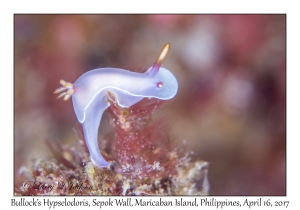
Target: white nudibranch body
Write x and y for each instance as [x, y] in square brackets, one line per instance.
[89, 94]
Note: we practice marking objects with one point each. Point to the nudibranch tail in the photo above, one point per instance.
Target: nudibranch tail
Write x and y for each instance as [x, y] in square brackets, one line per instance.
[90, 129]
[65, 86]
[161, 57]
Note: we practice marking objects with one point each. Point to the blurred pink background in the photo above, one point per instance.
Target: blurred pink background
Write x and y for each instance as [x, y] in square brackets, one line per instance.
[231, 104]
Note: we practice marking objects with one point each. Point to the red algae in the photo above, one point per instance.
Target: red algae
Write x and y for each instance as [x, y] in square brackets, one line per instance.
[144, 161]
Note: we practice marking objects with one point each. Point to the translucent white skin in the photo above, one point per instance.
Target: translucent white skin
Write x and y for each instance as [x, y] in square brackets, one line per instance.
[89, 98]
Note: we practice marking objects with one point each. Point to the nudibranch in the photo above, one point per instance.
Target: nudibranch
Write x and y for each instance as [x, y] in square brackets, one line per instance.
[89, 95]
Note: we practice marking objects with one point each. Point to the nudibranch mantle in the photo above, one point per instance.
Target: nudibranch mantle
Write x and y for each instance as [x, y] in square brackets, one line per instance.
[90, 89]
[129, 87]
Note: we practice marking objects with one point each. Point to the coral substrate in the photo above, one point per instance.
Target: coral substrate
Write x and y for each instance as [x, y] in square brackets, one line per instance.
[143, 161]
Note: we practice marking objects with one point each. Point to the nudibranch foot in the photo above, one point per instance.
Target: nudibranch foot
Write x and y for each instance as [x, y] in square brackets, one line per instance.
[101, 163]
[90, 129]
[122, 99]
[65, 86]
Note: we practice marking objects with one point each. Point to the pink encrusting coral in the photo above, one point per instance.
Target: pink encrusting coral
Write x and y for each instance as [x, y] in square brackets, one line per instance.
[144, 161]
